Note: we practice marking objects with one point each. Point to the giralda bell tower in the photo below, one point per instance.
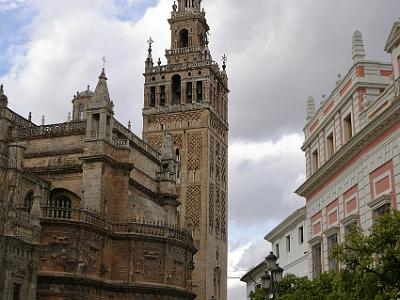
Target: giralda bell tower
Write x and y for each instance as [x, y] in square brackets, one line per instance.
[188, 99]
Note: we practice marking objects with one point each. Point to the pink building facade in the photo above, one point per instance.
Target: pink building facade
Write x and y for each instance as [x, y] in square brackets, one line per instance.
[352, 145]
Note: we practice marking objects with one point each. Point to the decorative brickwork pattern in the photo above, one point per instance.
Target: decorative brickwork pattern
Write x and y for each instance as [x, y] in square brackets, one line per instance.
[211, 208]
[223, 216]
[224, 159]
[156, 142]
[193, 205]
[178, 140]
[218, 214]
[194, 151]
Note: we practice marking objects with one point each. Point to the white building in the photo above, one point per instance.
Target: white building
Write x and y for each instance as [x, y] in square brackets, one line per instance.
[253, 278]
[289, 243]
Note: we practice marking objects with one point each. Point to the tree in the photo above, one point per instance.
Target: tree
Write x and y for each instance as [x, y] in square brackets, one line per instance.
[374, 256]
[370, 268]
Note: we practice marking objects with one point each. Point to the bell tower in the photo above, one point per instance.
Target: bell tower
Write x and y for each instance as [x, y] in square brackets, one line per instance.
[187, 99]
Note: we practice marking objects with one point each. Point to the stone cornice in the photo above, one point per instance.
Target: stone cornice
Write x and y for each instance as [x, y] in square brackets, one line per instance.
[384, 121]
[108, 160]
[296, 217]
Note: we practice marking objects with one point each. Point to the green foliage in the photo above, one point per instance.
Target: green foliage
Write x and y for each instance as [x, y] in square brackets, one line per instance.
[370, 268]
[258, 295]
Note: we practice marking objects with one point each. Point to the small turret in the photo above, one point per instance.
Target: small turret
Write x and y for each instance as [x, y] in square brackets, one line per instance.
[3, 97]
[358, 47]
[310, 108]
[101, 97]
[168, 180]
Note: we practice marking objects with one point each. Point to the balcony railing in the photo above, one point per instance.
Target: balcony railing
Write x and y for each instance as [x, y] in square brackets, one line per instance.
[134, 227]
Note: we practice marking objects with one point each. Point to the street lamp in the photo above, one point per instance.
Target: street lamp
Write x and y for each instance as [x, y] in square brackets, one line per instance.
[272, 275]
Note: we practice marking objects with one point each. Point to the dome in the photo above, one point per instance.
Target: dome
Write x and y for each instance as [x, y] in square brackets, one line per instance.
[86, 93]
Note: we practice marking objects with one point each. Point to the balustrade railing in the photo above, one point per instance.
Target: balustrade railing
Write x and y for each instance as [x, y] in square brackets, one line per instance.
[54, 129]
[146, 228]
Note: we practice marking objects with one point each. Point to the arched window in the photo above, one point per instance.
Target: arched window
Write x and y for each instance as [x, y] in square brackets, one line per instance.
[176, 89]
[63, 204]
[28, 201]
[184, 38]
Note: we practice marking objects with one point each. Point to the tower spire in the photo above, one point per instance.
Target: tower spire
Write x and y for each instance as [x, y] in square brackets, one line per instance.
[101, 96]
[358, 46]
[149, 60]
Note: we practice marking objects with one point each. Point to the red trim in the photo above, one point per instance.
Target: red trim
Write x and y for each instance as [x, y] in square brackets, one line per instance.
[332, 205]
[360, 71]
[314, 126]
[386, 73]
[348, 165]
[379, 171]
[350, 192]
[329, 107]
[316, 216]
[346, 87]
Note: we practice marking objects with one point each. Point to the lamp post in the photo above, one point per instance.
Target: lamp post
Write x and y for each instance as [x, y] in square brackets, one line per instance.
[272, 276]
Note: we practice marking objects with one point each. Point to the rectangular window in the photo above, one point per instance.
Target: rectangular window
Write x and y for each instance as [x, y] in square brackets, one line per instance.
[330, 150]
[199, 91]
[332, 242]
[288, 243]
[301, 235]
[316, 260]
[189, 92]
[153, 96]
[162, 95]
[277, 250]
[382, 210]
[314, 161]
[348, 128]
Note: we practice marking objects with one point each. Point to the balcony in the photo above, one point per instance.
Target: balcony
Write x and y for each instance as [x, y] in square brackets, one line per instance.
[131, 227]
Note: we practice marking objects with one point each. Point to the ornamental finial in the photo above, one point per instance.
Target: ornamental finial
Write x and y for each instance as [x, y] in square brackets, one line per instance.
[224, 61]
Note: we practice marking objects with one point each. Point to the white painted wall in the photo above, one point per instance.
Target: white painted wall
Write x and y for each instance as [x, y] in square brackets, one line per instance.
[295, 260]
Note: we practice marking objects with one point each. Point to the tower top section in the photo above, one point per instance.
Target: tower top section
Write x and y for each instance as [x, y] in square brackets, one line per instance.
[186, 7]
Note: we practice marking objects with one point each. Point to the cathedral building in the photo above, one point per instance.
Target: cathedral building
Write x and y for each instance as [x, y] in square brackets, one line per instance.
[352, 149]
[187, 99]
[88, 210]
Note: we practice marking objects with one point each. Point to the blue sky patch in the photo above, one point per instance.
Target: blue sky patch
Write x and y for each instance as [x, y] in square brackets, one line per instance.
[13, 34]
[133, 10]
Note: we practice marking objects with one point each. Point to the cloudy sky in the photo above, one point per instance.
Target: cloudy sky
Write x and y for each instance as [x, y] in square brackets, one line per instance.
[280, 52]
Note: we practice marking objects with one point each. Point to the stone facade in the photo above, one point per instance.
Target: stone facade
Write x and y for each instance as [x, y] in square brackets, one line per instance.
[352, 153]
[93, 209]
[188, 99]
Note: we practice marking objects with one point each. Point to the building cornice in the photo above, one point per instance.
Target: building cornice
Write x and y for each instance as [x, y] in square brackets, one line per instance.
[260, 267]
[388, 118]
[394, 37]
[297, 216]
[344, 81]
